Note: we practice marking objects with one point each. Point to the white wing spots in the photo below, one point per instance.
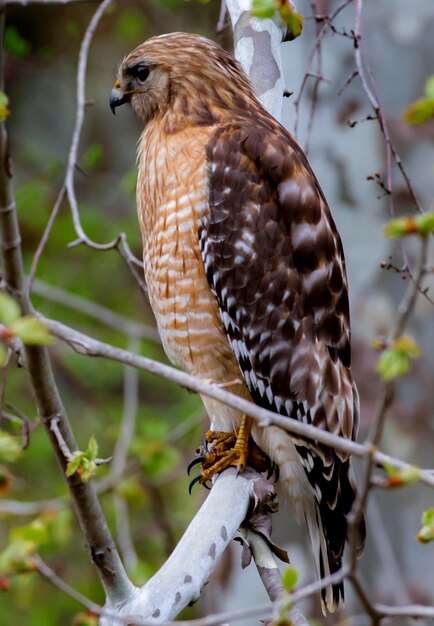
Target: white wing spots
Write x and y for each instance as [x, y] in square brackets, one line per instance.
[261, 387]
[288, 406]
[242, 350]
[270, 396]
[253, 379]
[279, 403]
[246, 374]
[231, 300]
[228, 322]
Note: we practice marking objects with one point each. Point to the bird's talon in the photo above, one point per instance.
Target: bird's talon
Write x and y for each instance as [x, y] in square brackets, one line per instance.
[193, 482]
[195, 461]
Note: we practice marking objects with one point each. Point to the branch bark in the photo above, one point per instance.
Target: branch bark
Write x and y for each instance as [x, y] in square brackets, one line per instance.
[181, 578]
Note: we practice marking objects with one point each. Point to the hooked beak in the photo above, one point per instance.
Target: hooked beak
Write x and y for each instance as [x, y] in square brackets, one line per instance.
[118, 97]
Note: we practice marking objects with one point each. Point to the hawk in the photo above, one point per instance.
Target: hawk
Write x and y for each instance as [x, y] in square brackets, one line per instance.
[246, 273]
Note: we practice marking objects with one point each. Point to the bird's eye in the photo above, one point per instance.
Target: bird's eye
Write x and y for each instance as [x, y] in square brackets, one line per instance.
[140, 71]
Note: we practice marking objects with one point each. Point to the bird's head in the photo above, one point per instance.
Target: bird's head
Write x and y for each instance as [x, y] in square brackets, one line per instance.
[182, 76]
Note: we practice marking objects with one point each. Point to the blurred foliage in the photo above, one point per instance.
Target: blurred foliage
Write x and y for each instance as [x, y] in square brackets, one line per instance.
[42, 44]
[422, 110]
[396, 360]
[426, 533]
[401, 477]
[286, 11]
[290, 578]
[422, 225]
[4, 111]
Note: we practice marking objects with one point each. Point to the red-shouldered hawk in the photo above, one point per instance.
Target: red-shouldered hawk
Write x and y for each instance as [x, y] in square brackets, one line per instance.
[245, 271]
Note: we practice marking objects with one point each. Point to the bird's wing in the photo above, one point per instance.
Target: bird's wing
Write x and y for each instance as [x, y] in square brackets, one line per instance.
[274, 259]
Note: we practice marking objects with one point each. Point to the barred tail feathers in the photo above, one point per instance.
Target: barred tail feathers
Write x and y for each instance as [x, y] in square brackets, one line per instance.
[327, 526]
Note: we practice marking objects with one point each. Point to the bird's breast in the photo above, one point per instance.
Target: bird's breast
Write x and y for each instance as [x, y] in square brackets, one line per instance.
[172, 195]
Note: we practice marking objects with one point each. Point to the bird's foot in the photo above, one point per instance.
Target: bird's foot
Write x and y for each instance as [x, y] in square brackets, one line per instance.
[221, 450]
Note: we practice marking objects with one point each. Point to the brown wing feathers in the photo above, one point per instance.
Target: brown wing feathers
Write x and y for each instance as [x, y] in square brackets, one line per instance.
[274, 260]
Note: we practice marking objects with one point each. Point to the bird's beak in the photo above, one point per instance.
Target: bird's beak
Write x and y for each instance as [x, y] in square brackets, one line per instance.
[118, 97]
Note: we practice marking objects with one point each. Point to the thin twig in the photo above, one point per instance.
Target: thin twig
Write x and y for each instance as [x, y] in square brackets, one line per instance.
[119, 243]
[80, 112]
[370, 90]
[96, 311]
[326, 21]
[60, 584]
[44, 238]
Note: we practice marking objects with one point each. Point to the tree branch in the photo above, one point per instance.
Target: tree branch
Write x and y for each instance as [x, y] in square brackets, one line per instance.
[257, 47]
[181, 578]
[83, 344]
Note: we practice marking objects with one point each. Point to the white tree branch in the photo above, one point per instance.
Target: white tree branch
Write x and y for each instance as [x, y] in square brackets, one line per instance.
[181, 578]
[257, 47]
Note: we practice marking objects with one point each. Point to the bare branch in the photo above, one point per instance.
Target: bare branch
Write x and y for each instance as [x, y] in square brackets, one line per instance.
[83, 344]
[60, 584]
[44, 238]
[369, 88]
[96, 311]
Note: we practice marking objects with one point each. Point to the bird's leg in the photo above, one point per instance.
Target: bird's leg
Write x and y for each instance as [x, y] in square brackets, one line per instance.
[222, 450]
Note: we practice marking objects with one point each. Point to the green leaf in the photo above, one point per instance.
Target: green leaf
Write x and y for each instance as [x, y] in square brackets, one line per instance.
[263, 8]
[31, 331]
[395, 361]
[9, 309]
[83, 463]
[17, 558]
[420, 111]
[74, 462]
[292, 20]
[425, 223]
[15, 43]
[289, 578]
[402, 477]
[92, 449]
[4, 101]
[428, 517]
[426, 533]
[400, 227]
[35, 532]
[391, 365]
[405, 344]
[10, 447]
[87, 470]
[429, 87]
[421, 225]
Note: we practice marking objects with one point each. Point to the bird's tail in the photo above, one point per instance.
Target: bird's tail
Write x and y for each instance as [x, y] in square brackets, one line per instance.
[327, 527]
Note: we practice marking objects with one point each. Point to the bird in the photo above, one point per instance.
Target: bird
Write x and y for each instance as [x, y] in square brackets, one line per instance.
[246, 275]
